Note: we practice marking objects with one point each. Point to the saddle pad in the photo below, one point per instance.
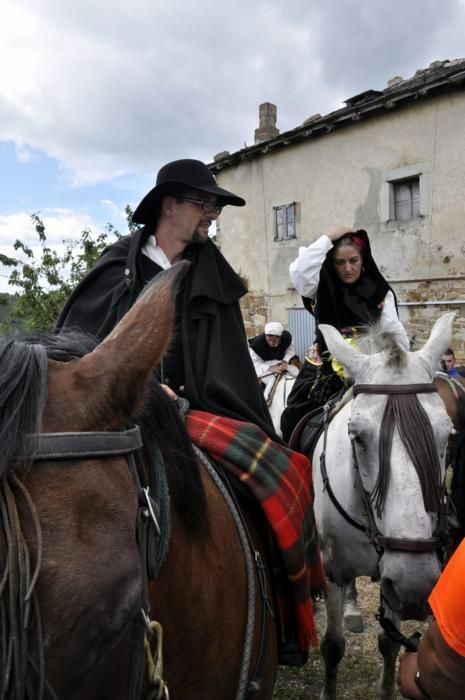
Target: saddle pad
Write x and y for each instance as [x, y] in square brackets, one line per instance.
[281, 481]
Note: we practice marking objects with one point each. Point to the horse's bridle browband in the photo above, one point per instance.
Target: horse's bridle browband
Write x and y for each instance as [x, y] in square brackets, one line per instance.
[51, 446]
[378, 540]
[393, 389]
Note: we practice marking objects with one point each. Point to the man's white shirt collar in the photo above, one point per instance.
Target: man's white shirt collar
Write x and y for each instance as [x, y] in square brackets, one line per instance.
[155, 253]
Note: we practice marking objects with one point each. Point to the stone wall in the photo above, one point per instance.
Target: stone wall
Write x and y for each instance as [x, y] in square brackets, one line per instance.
[255, 314]
[426, 302]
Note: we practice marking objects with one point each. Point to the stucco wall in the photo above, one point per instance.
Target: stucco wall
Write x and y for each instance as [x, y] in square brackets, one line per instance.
[340, 178]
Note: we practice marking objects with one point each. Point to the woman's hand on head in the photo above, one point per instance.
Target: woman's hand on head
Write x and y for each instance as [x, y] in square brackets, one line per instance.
[338, 232]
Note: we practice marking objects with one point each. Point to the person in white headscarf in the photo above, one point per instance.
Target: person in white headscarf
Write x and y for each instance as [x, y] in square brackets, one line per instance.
[271, 352]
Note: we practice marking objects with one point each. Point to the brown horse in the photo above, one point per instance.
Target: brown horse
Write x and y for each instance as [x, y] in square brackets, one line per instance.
[452, 392]
[451, 389]
[73, 591]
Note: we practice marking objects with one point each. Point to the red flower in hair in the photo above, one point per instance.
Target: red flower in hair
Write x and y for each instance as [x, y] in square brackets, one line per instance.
[359, 242]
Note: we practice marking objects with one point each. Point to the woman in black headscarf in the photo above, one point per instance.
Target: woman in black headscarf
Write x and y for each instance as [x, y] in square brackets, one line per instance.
[342, 286]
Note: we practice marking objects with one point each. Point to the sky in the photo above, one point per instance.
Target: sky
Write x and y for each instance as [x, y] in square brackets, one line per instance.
[96, 96]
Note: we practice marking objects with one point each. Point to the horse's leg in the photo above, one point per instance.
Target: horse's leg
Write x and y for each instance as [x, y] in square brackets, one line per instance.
[332, 645]
[388, 650]
[352, 615]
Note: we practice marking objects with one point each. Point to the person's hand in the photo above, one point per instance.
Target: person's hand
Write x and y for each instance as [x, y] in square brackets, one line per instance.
[276, 369]
[169, 392]
[338, 232]
[283, 365]
[406, 676]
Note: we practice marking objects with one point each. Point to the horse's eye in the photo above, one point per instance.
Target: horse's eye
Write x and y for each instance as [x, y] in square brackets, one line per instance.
[359, 441]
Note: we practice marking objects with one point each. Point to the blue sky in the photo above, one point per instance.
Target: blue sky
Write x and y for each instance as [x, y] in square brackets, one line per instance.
[95, 97]
[36, 182]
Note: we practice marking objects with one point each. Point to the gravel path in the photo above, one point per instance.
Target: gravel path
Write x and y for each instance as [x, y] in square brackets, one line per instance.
[360, 668]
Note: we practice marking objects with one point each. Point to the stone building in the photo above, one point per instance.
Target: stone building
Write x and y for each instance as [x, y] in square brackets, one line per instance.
[390, 161]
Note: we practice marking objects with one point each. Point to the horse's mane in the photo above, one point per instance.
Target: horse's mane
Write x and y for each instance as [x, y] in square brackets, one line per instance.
[23, 395]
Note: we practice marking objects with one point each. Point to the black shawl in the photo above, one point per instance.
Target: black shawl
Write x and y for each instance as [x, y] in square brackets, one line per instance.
[263, 350]
[209, 354]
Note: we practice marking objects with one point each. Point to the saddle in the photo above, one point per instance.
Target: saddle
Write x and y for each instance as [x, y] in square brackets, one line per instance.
[307, 431]
[309, 428]
[289, 653]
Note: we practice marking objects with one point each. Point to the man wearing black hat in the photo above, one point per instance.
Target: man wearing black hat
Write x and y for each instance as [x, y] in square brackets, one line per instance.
[208, 361]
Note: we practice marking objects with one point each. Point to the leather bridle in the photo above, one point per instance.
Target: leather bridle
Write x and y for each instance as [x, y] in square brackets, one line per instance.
[379, 541]
[128, 443]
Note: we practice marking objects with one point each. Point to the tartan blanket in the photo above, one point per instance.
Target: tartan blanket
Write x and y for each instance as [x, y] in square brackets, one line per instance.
[281, 481]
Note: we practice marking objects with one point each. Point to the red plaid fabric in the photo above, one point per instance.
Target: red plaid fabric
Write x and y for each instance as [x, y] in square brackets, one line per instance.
[281, 480]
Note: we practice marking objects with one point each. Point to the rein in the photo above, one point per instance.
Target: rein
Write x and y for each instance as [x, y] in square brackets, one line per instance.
[83, 445]
[433, 500]
[287, 376]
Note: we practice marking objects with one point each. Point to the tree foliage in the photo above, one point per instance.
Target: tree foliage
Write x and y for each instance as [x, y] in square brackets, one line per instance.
[44, 278]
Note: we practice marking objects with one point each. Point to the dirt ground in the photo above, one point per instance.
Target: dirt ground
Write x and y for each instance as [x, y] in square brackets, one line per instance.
[360, 668]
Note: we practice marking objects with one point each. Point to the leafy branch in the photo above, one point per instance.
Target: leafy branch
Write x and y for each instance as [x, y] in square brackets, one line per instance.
[46, 277]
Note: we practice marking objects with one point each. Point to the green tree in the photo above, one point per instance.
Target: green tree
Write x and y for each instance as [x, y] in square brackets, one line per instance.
[45, 278]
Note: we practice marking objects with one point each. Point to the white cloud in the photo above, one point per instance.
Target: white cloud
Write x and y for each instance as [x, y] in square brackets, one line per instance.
[111, 88]
[116, 214]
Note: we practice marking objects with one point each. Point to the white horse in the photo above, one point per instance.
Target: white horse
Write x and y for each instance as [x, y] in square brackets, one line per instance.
[279, 394]
[378, 477]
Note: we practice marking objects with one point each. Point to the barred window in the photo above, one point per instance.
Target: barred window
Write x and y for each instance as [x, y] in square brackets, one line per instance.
[406, 199]
[284, 222]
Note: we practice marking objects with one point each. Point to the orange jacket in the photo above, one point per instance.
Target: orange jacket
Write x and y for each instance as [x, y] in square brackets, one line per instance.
[447, 601]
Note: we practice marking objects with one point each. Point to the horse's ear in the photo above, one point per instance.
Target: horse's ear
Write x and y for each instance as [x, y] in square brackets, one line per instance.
[120, 365]
[439, 340]
[346, 354]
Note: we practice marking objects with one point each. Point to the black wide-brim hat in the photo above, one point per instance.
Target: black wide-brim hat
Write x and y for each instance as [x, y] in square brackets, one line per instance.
[178, 176]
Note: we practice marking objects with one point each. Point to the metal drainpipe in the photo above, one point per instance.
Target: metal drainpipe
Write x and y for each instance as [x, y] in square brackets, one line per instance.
[451, 278]
[414, 280]
[454, 302]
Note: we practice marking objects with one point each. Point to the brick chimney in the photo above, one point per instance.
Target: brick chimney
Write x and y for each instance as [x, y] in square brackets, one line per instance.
[267, 123]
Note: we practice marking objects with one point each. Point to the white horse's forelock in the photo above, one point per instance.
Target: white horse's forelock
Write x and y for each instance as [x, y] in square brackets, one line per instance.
[375, 338]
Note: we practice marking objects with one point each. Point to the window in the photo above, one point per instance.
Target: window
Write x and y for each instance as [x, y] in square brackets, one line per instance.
[284, 222]
[406, 199]
[405, 195]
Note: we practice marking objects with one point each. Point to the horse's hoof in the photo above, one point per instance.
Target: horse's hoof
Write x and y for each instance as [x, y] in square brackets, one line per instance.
[354, 622]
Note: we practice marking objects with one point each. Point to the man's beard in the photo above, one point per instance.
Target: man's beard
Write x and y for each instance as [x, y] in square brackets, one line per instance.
[198, 238]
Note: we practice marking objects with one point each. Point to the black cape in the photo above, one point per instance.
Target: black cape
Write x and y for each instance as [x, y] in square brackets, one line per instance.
[209, 354]
[263, 350]
[342, 306]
